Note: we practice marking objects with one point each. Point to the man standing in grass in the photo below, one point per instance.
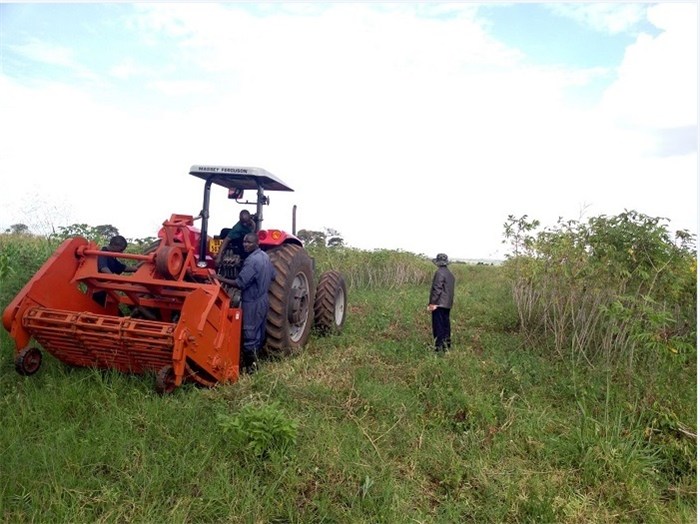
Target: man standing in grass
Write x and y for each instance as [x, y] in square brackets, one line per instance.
[442, 294]
[254, 282]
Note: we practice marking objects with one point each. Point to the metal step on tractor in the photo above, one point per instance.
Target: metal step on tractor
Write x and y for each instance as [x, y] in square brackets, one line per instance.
[172, 316]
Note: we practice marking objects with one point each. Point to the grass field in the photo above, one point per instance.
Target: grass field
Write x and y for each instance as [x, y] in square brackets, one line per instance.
[368, 426]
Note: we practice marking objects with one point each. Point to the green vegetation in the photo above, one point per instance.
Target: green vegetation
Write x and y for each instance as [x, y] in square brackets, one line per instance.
[616, 291]
[523, 421]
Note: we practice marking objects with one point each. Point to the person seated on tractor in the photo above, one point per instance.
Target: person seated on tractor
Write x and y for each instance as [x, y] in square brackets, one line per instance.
[234, 238]
[117, 244]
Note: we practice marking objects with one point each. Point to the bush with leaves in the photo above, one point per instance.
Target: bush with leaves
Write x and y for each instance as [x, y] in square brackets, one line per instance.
[260, 430]
[615, 288]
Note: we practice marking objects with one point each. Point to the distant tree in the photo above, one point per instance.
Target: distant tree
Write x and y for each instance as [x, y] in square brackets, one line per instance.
[97, 234]
[329, 237]
[334, 238]
[106, 230]
[74, 230]
[141, 243]
[18, 229]
[312, 238]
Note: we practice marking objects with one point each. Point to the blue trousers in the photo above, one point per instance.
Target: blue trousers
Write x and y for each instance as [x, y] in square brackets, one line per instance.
[442, 333]
[254, 317]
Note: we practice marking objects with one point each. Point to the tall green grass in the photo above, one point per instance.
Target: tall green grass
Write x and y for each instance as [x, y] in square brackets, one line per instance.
[20, 257]
[368, 426]
[387, 269]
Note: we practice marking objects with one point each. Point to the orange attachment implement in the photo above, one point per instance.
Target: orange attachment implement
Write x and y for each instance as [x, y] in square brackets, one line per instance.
[170, 316]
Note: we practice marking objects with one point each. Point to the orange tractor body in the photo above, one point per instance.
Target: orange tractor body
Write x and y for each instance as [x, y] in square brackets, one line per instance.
[196, 336]
[172, 315]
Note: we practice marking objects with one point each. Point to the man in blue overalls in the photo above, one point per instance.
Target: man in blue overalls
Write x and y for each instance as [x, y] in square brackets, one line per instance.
[254, 281]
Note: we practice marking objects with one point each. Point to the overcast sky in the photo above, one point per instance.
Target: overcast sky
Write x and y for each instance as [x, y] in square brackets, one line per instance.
[404, 126]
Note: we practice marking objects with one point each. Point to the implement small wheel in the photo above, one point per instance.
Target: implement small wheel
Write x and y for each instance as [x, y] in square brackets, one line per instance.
[165, 380]
[28, 361]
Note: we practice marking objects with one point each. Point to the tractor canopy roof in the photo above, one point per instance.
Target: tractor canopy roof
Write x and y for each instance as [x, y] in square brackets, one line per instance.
[233, 177]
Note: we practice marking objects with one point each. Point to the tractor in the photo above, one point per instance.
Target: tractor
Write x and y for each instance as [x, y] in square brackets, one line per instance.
[173, 316]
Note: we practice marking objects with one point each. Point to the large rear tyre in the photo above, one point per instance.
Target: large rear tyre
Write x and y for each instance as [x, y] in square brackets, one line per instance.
[330, 303]
[28, 361]
[290, 317]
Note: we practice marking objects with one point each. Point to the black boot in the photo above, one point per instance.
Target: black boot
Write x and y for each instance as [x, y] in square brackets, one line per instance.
[250, 363]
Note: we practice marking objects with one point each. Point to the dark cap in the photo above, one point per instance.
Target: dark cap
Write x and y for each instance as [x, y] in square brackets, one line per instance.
[441, 260]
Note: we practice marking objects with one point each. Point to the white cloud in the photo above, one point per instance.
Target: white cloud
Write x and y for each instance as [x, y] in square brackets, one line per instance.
[611, 17]
[49, 54]
[126, 70]
[399, 131]
[657, 80]
[181, 87]
[46, 53]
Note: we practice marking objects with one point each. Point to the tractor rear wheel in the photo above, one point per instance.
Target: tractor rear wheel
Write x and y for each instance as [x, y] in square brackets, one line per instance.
[330, 303]
[290, 317]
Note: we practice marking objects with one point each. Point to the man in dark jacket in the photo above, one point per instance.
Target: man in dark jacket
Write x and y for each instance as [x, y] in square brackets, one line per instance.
[254, 281]
[442, 294]
[117, 244]
[235, 235]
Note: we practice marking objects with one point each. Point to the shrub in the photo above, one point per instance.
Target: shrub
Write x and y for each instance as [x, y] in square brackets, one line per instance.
[616, 288]
[260, 430]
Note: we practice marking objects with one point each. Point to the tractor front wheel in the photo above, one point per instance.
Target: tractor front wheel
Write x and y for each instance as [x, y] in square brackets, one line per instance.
[290, 317]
